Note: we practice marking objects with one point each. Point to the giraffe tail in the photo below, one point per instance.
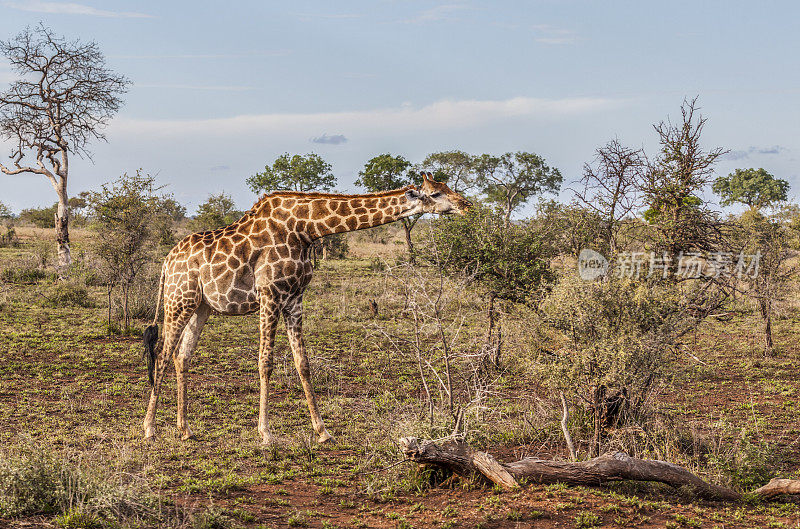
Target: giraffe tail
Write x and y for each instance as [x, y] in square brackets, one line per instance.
[150, 339]
[150, 335]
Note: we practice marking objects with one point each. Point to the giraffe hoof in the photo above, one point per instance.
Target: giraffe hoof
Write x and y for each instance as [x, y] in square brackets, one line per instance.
[268, 440]
[325, 437]
[185, 436]
[149, 433]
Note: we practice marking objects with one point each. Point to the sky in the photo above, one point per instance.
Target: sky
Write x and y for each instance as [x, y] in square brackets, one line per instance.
[219, 90]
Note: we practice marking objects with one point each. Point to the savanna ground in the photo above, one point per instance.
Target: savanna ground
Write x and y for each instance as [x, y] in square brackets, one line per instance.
[70, 393]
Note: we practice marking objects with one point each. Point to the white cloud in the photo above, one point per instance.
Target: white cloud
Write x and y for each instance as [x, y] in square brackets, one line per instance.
[438, 116]
[220, 88]
[332, 16]
[439, 13]
[269, 53]
[69, 8]
[547, 34]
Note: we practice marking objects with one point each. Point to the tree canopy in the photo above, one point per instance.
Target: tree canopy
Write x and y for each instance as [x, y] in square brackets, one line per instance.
[674, 182]
[511, 179]
[385, 172]
[5, 211]
[457, 168]
[510, 261]
[755, 188]
[294, 173]
[219, 210]
[128, 216]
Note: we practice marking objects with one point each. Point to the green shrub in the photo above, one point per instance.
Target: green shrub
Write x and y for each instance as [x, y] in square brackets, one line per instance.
[8, 237]
[512, 261]
[69, 294]
[82, 491]
[212, 518]
[608, 345]
[39, 217]
[23, 274]
[747, 464]
[335, 246]
[33, 483]
[78, 520]
[587, 520]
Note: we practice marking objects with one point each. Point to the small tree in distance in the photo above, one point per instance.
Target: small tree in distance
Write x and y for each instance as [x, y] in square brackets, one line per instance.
[755, 188]
[126, 215]
[64, 98]
[218, 211]
[455, 167]
[294, 173]
[610, 187]
[5, 211]
[511, 179]
[385, 172]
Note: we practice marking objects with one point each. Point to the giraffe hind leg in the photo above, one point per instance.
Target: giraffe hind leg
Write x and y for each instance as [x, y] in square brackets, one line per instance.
[188, 342]
[293, 315]
[268, 323]
[174, 324]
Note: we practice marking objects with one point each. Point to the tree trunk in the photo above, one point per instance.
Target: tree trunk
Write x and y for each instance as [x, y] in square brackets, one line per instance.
[412, 257]
[493, 345]
[598, 398]
[62, 228]
[612, 466]
[109, 288]
[766, 316]
[125, 313]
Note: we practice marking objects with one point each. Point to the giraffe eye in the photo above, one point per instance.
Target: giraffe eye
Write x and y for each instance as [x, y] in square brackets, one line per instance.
[437, 194]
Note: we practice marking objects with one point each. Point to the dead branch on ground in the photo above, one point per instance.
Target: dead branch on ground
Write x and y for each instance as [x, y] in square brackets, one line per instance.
[611, 466]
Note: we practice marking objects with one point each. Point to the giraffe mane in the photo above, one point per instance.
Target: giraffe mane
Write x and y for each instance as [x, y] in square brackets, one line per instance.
[314, 194]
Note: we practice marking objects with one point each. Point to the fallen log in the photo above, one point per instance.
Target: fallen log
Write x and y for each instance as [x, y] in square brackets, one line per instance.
[611, 466]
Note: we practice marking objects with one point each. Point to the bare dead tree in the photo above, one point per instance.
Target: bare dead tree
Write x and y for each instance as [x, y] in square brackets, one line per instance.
[611, 187]
[673, 184]
[63, 100]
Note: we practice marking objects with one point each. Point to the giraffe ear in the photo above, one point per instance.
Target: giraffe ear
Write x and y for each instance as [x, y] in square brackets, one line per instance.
[412, 195]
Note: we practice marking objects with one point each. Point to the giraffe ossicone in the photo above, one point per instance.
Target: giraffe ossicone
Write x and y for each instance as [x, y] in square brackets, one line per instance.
[262, 263]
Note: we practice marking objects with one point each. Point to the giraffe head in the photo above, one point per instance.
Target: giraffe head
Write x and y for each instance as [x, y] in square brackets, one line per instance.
[436, 197]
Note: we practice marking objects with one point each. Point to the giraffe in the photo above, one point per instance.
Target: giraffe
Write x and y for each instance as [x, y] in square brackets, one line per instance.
[261, 263]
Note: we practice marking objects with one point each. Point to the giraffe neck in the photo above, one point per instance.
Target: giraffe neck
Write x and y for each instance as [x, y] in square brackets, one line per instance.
[315, 215]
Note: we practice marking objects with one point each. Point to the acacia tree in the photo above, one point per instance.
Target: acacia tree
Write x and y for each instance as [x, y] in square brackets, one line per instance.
[65, 96]
[385, 172]
[294, 173]
[755, 188]
[511, 179]
[455, 167]
[768, 270]
[127, 215]
[510, 262]
[219, 210]
[610, 187]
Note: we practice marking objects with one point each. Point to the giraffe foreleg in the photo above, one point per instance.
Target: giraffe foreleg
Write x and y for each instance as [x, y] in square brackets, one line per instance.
[293, 315]
[189, 338]
[268, 323]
